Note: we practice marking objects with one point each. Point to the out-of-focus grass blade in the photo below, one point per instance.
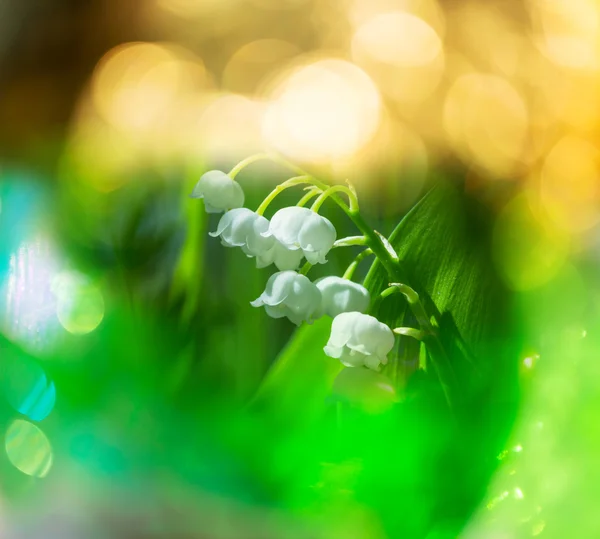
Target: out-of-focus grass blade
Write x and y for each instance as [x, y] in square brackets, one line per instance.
[301, 378]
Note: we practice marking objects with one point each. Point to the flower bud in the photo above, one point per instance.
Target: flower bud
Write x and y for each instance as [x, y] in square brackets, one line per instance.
[290, 294]
[303, 229]
[359, 339]
[342, 296]
[219, 191]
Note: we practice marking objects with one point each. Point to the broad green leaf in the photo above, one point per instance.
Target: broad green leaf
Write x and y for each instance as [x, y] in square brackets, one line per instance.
[301, 378]
[444, 245]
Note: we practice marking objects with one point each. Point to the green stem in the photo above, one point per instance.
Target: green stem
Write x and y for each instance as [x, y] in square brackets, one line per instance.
[392, 266]
[415, 304]
[245, 162]
[349, 241]
[352, 198]
[306, 268]
[298, 180]
[309, 196]
[265, 157]
[349, 273]
[441, 361]
[410, 332]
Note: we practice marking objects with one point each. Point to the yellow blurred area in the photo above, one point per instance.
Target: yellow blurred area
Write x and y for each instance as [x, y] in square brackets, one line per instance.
[28, 448]
[570, 184]
[429, 11]
[403, 54]
[568, 32]
[229, 126]
[136, 86]
[529, 250]
[254, 62]
[506, 87]
[324, 111]
[80, 305]
[195, 8]
[486, 121]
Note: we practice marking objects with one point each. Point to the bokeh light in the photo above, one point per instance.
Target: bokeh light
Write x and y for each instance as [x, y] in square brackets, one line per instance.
[29, 315]
[136, 85]
[324, 111]
[487, 121]
[569, 185]
[529, 250]
[28, 448]
[25, 386]
[568, 32]
[402, 53]
[80, 305]
[196, 8]
[229, 127]
[252, 63]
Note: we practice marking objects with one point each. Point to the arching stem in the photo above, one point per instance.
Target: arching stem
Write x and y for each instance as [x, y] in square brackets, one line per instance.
[312, 193]
[349, 273]
[352, 198]
[265, 157]
[298, 180]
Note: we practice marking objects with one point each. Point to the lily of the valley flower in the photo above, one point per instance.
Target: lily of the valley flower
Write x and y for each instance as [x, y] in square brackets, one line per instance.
[282, 257]
[359, 339]
[219, 191]
[244, 228]
[298, 228]
[342, 296]
[290, 294]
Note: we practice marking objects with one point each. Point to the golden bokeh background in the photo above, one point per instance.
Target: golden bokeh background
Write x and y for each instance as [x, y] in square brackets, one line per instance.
[508, 89]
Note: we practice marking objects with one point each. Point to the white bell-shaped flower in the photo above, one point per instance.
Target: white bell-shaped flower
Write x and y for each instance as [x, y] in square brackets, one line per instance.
[359, 339]
[219, 191]
[244, 228]
[282, 257]
[342, 296]
[290, 294]
[299, 228]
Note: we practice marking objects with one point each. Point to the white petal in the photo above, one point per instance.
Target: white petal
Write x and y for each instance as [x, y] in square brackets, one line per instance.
[333, 351]
[219, 191]
[286, 259]
[317, 235]
[275, 311]
[236, 196]
[256, 243]
[315, 257]
[341, 295]
[277, 290]
[342, 329]
[373, 362]
[228, 220]
[211, 209]
[286, 224]
[350, 358]
[371, 337]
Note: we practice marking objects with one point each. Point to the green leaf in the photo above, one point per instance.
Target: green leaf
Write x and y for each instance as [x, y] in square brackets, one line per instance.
[425, 467]
[444, 245]
[301, 377]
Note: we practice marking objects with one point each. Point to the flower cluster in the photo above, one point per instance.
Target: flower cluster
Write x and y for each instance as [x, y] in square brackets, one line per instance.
[293, 234]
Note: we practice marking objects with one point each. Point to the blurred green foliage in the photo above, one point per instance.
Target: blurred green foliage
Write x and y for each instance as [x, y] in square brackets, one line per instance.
[183, 383]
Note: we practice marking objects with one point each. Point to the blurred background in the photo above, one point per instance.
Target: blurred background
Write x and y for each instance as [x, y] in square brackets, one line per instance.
[128, 348]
